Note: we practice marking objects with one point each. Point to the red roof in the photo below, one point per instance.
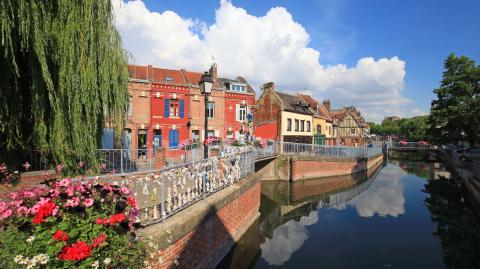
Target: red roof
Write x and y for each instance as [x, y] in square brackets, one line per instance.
[138, 72]
[167, 75]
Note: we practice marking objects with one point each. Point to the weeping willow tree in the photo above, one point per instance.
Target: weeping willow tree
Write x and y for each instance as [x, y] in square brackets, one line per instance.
[62, 73]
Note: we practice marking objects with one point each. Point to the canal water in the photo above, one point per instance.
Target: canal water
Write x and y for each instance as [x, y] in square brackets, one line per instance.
[404, 215]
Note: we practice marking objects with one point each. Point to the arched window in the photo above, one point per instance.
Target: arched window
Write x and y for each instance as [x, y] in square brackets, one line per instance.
[319, 129]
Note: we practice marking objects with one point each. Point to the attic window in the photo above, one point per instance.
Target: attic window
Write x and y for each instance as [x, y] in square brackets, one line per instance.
[167, 78]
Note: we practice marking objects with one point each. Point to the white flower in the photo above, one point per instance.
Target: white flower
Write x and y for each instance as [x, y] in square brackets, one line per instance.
[30, 239]
[107, 261]
[95, 264]
[150, 244]
[42, 258]
[18, 258]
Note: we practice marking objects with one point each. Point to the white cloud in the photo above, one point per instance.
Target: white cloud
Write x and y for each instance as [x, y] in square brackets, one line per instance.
[384, 197]
[287, 239]
[272, 47]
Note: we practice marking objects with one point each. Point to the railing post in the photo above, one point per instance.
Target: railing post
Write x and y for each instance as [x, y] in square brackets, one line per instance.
[162, 198]
[121, 160]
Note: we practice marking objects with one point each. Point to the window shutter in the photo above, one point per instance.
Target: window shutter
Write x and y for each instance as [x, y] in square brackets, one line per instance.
[237, 113]
[170, 138]
[182, 106]
[175, 138]
[167, 108]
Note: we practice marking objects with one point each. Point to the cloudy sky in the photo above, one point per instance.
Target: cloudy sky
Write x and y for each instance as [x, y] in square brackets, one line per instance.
[385, 57]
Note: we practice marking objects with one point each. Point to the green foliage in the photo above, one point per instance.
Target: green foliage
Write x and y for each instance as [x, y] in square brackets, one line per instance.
[412, 129]
[62, 72]
[457, 105]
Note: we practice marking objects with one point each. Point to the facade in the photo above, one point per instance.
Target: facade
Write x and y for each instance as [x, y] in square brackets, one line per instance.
[351, 127]
[239, 99]
[293, 115]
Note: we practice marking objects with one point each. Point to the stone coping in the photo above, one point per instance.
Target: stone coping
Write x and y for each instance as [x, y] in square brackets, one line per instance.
[173, 228]
[335, 159]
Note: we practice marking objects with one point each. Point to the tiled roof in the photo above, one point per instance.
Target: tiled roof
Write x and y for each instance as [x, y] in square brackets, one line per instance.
[294, 103]
[138, 72]
[194, 77]
[167, 76]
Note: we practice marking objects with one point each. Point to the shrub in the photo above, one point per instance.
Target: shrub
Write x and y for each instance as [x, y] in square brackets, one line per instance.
[70, 225]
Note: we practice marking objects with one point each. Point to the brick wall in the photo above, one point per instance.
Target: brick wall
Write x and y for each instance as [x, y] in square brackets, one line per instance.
[303, 168]
[205, 245]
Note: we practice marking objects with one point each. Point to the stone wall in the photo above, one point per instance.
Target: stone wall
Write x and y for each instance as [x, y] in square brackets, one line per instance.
[202, 234]
[317, 167]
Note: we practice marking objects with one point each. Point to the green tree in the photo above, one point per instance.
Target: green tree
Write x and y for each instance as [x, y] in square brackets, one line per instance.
[62, 73]
[457, 105]
[414, 129]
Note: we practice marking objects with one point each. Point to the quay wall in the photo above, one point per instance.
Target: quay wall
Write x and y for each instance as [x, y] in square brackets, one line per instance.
[201, 235]
[318, 167]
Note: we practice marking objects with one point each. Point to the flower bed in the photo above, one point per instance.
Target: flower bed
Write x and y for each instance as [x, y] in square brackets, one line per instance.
[70, 225]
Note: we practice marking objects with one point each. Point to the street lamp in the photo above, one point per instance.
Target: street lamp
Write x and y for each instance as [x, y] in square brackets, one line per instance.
[206, 84]
[463, 135]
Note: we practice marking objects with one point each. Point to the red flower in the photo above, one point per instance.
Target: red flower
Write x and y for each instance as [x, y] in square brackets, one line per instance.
[99, 240]
[117, 219]
[101, 221]
[131, 201]
[76, 252]
[60, 236]
[44, 211]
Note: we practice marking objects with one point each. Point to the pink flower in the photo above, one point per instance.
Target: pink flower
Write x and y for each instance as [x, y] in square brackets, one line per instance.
[28, 194]
[73, 202]
[6, 214]
[64, 182]
[125, 190]
[34, 209]
[26, 165]
[14, 195]
[88, 202]
[80, 188]
[70, 191]
[3, 206]
[59, 168]
[22, 210]
[54, 193]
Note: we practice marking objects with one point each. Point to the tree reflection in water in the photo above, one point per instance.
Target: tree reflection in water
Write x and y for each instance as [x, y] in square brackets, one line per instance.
[457, 225]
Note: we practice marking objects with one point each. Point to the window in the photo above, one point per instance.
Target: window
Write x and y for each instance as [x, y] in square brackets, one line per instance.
[308, 126]
[289, 124]
[167, 78]
[173, 138]
[211, 109]
[130, 104]
[157, 138]
[229, 134]
[330, 130]
[319, 129]
[352, 131]
[238, 88]
[195, 136]
[296, 125]
[174, 109]
[241, 112]
[302, 126]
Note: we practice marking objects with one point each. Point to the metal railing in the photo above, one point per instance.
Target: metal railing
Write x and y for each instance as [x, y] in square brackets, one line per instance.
[299, 149]
[409, 145]
[125, 160]
[164, 192]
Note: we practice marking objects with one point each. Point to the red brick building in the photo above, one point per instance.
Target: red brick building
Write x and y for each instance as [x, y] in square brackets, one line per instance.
[239, 99]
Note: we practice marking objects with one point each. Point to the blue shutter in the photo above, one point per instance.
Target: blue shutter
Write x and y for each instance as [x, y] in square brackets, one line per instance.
[182, 106]
[170, 138]
[176, 137]
[167, 108]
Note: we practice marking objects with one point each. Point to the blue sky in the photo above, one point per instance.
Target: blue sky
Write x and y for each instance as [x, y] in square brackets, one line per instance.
[419, 33]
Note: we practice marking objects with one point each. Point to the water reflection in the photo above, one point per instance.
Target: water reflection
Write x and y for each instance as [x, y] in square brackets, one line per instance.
[393, 217]
[384, 197]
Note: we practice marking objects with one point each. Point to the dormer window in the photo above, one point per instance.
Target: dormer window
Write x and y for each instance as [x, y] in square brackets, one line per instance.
[238, 88]
[167, 78]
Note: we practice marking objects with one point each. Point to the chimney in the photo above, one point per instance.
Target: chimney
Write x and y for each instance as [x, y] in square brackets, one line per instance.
[213, 71]
[268, 85]
[326, 104]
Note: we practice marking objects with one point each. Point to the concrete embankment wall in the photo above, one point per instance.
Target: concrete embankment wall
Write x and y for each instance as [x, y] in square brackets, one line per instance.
[317, 167]
[202, 234]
